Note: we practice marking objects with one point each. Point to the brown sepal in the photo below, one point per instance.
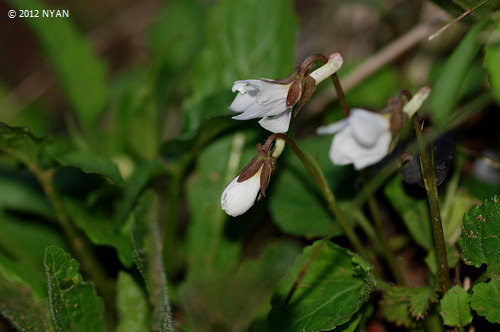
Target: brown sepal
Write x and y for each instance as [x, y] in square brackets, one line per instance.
[398, 121]
[294, 93]
[265, 176]
[251, 169]
[309, 86]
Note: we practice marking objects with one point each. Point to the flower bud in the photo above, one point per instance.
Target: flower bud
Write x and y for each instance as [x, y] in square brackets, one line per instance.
[238, 197]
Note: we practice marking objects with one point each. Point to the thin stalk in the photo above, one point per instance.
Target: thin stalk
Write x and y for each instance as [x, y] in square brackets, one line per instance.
[388, 253]
[89, 263]
[340, 95]
[432, 196]
[170, 247]
[433, 323]
[363, 222]
[371, 186]
[320, 180]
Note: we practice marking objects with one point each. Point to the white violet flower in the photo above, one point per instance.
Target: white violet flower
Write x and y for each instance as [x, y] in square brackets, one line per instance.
[238, 197]
[262, 99]
[252, 182]
[271, 100]
[364, 138]
[361, 139]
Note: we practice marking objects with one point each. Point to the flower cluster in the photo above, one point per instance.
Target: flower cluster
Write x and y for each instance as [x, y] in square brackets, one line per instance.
[362, 139]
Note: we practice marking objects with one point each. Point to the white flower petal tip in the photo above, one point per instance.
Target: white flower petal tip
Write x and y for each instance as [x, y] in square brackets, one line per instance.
[362, 139]
[416, 101]
[238, 197]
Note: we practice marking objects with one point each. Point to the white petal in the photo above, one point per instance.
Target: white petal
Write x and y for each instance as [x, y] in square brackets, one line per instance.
[345, 149]
[271, 92]
[255, 110]
[367, 126]
[343, 145]
[332, 128]
[277, 123]
[374, 154]
[247, 86]
[257, 99]
[238, 197]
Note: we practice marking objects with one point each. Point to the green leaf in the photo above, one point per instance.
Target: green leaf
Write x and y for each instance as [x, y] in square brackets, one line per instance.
[132, 305]
[92, 163]
[148, 256]
[21, 144]
[395, 308]
[19, 196]
[190, 143]
[457, 7]
[227, 300]
[491, 62]
[486, 300]
[244, 39]
[292, 188]
[480, 230]
[332, 291]
[101, 230]
[135, 108]
[25, 242]
[374, 91]
[138, 180]
[12, 271]
[176, 47]
[455, 308]
[19, 306]
[208, 244]
[445, 96]
[74, 304]
[81, 74]
[406, 306]
[413, 211]
[420, 299]
[351, 325]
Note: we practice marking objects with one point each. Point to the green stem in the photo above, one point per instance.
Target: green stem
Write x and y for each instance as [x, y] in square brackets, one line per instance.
[433, 323]
[395, 268]
[320, 180]
[371, 186]
[432, 196]
[89, 263]
[363, 222]
[170, 247]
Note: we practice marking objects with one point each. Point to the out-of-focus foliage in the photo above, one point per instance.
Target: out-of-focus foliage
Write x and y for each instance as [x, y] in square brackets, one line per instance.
[292, 191]
[447, 87]
[82, 75]
[406, 306]
[110, 200]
